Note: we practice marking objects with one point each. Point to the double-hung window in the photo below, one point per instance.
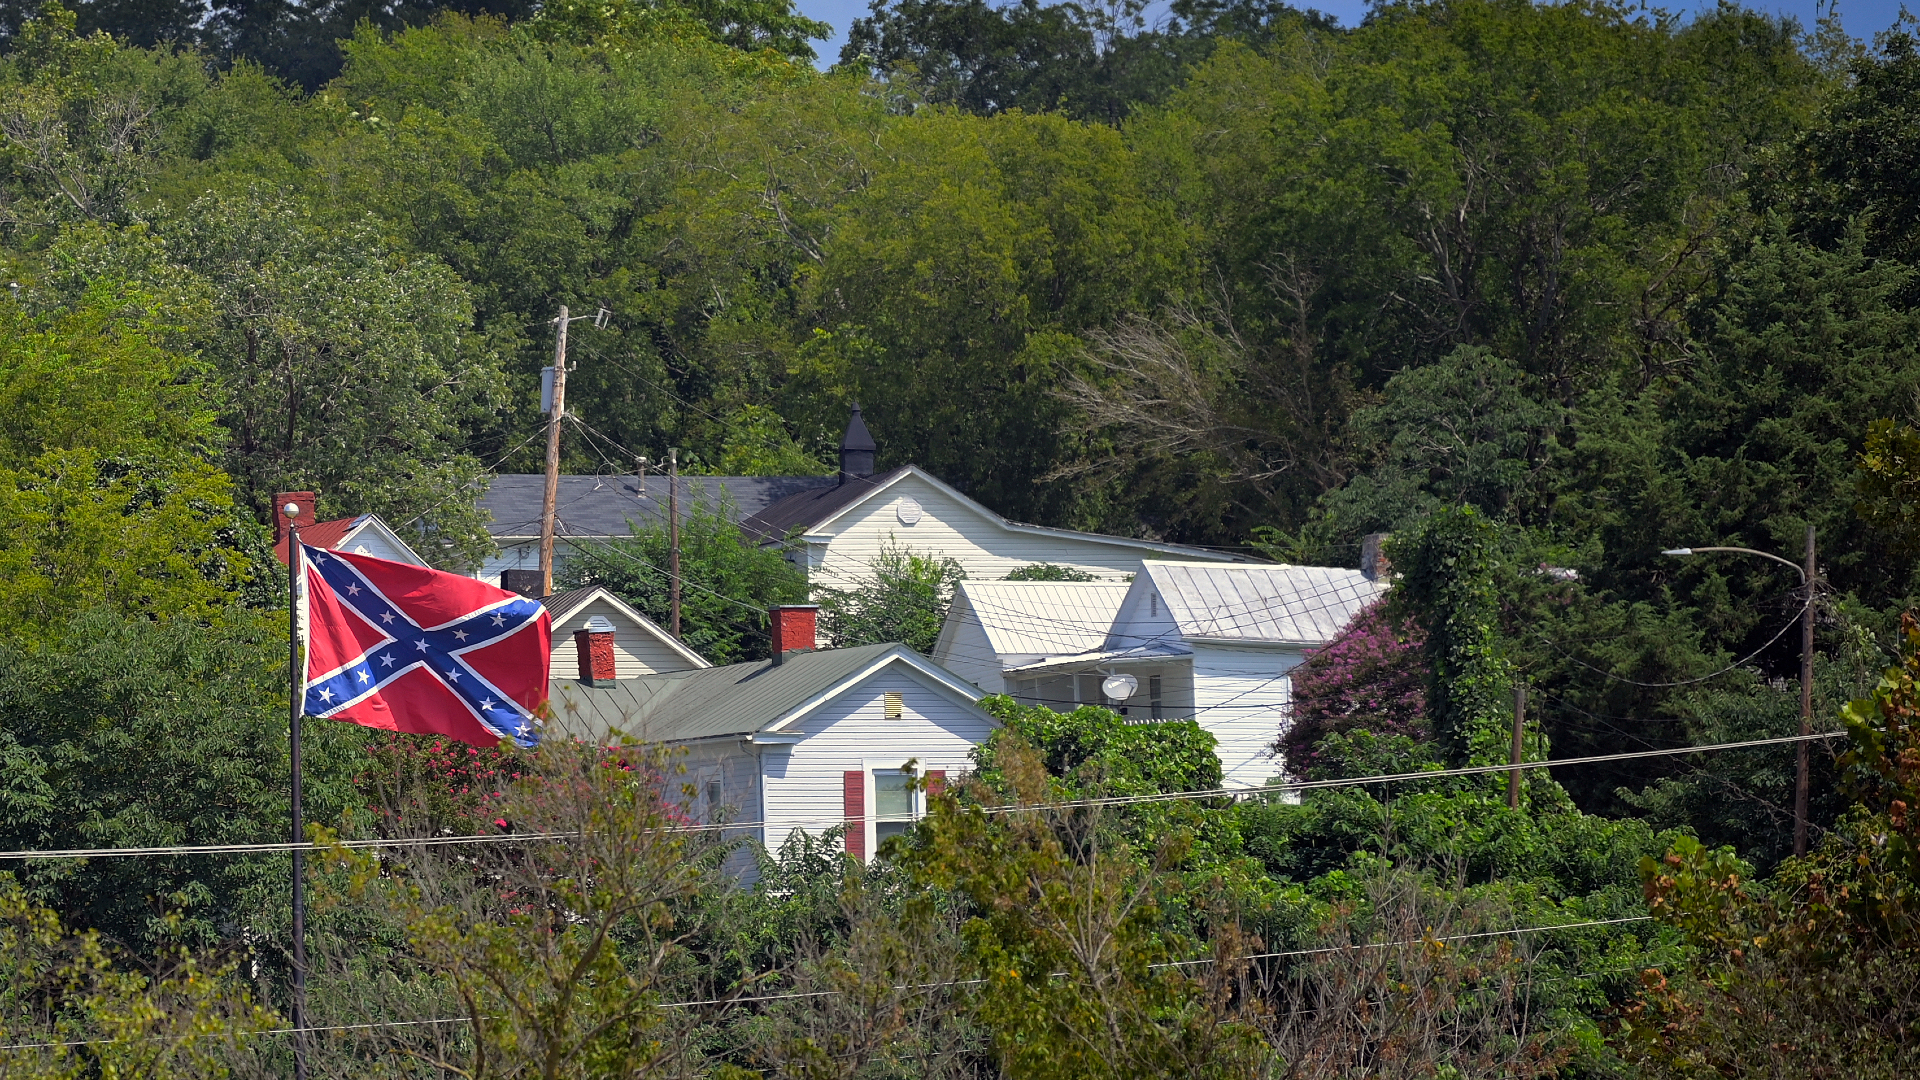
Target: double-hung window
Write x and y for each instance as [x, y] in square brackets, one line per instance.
[892, 805]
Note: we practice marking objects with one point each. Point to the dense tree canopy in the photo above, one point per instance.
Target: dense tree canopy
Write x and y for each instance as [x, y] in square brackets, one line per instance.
[1544, 290]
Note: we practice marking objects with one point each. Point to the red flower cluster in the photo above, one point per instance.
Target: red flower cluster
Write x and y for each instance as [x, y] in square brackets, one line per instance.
[1372, 676]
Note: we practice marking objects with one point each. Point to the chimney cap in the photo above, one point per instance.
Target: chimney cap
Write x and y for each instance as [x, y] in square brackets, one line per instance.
[857, 437]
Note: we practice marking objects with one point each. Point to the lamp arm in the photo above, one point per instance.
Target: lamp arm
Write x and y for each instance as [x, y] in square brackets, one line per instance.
[1797, 568]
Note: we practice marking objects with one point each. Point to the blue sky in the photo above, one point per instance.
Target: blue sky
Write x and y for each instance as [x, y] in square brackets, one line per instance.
[1862, 18]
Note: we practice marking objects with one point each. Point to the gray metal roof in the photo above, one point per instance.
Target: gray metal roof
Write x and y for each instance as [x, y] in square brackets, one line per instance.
[1274, 603]
[738, 699]
[604, 506]
[1042, 618]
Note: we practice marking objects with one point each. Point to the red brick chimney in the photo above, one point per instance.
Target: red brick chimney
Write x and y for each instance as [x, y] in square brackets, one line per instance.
[793, 628]
[595, 646]
[304, 520]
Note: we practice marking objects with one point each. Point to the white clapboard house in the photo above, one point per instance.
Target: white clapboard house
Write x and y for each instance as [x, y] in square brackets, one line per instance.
[835, 525]
[635, 644]
[811, 741]
[362, 534]
[1194, 640]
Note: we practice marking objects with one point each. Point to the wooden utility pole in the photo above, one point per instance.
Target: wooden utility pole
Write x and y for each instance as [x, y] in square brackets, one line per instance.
[554, 417]
[673, 540]
[1519, 729]
[1803, 750]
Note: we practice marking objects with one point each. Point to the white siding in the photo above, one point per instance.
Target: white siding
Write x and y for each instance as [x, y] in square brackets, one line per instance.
[1143, 619]
[738, 770]
[802, 783]
[963, 649]
[636, 652]
[1240, 696]
[369, 540]
[949, 528]
[521, 555]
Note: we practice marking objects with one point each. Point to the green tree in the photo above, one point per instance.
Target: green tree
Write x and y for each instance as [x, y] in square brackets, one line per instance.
[82, 1011]
[1048, 572]
[903, 597]
[728, 582]
[344, 366]
[132, 731]
[106, 496]
[1806, 971]
[1069, 938]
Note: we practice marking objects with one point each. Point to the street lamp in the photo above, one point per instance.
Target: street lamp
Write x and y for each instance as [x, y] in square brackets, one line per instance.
[1809, 575]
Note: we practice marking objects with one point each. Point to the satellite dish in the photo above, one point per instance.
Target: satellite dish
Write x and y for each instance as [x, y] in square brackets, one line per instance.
[1119, 687]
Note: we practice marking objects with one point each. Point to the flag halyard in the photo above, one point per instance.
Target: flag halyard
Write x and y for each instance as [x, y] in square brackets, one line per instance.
[404, 648]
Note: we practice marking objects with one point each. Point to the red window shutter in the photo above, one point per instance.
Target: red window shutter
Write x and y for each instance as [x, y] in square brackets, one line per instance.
[936, 782]
[853, 799]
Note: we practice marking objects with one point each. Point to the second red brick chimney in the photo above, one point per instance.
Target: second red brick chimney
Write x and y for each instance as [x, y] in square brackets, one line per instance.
[595, 646]
[794, 626]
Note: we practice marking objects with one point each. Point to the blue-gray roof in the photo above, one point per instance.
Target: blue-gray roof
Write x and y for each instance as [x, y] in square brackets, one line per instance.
[603, 506]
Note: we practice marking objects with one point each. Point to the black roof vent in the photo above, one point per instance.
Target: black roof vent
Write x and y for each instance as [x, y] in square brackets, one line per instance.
[856, 448]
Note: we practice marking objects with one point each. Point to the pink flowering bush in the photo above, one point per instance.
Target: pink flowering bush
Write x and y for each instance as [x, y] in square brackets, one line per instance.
[435, 784]
[1371, 677]
[431, 785]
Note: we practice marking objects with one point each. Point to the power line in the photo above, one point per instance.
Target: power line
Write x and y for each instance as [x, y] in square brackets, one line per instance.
[1067, 804]
[1683, 682]
[799, 995]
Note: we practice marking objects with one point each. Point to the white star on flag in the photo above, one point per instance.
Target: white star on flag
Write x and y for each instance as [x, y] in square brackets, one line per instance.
[387, 617]
[387, 659]
[460, 635]
[421, 645]
[487, 704]
[353, 590]
[499, 619]
[365, 676]
[326, 694]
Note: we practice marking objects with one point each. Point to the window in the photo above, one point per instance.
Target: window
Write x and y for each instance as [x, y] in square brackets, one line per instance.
[892, 806]
[894, 704]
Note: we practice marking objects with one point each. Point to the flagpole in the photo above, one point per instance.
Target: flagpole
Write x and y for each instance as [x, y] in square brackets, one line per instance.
[296, 569]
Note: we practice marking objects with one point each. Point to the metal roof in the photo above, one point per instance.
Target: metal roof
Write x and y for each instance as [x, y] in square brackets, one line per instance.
[738, 699]
[1044, 618]
[604, 506]
[1274, 603]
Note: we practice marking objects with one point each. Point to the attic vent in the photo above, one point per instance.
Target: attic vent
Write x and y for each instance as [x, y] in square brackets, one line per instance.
[894, 705]
[1153, 602]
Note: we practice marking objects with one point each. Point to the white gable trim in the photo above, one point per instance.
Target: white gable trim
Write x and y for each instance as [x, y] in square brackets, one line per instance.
[958, 612]
[373, 522]
[652, 628]
[929, 672]
[815, 536]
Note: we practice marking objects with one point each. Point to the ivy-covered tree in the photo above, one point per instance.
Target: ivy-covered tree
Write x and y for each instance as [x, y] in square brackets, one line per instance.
[1445, 584]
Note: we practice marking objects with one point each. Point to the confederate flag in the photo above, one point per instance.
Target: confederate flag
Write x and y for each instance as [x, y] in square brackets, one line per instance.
[405, 648]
